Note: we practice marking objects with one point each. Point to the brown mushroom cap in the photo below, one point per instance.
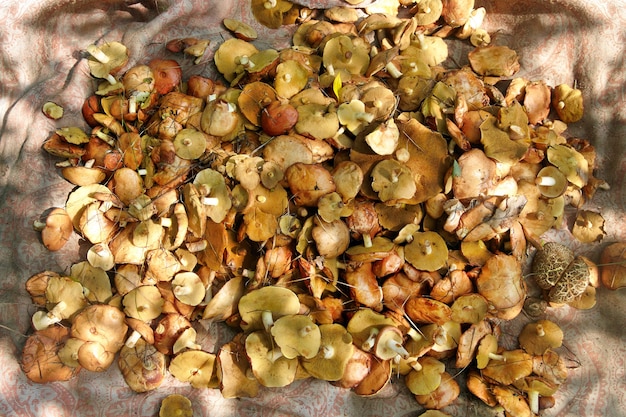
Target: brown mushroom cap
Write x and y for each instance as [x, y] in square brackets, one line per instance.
[539, 336]
[56, 228]
[142, 366]
[40, 361]
[278, 301]
[426, 251]
[613, 266]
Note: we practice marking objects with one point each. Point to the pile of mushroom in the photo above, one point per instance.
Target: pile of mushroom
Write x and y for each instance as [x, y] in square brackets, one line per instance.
[351, 208]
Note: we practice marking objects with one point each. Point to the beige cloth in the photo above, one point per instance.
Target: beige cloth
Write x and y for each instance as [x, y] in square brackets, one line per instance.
[559, 41]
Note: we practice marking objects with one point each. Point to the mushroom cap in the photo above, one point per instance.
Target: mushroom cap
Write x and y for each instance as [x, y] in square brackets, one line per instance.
[270, 372]
[539, 336]
[335, 351]
[568, 103]
[254, 97]
[95, 281]
[227, 54]
[573, 282]
[550, 262]
[280, 301]
[143, 366]
[193, 366]
[427, 251]
[570, 162]
[271, 17]
[392, 181]
[232, 365]
[515, 364]
[500, 281]
[613, 265]
[142, 328]
[487, 345]
[296, 335]
[143, 303]
[176, 405]
[551, 182]
[498, 61]
[190, 143]
[224, 303]
[344, 52]
[512, 402]
[103, 324]
[64, 289]
[57, 230]
[188, 288]
[40, 361]
[117, 55]
[427, 379]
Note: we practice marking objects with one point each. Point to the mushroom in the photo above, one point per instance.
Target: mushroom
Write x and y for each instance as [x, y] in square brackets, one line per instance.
[40, 361]
[64, 299]
[588, 226]
[388, 344]
[427, 378]
[95, 281]
[56, 228]
[317, 121]
[426, 251]
[270, 13]
[296, 336]
[227, 55]
[142, 366]
[445, 394]
[193, 366]
[513, 365]
[261, 307]
[335, 351]
[613, 265]
[103, 329]
[511, 401]
[551, 182]
[535, 387]
[188, 288]
[140, 330]
[232, 369]
[143, 303]
[392, 181]
[539, 336]
[500, 281]
[568, 103]
[278, 118]
[343, 52]
[269, 366]
[176, 405]
[492, 60]
[106, 60]
[331, 238]
[186, 340]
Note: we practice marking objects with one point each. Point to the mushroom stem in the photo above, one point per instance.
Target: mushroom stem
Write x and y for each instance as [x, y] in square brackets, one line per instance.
[42, 320]
[132, 339]
[210, 201]
[414, 334]
[496, 357]
[39, 226]
[270, 4]
[427, 247]
[166, 222]
[393, 70]
[274, 354]
[132, 104]
[414, 363]
[367, 240]
[328, 351]
[111, 79]
[197, 246]
[101, 134]
[267, 319]
[369, 342]
[546, 181]
[305, 331]
[97, 53]
[533, 401]
[181, 290]
[364, 116]
[397, 347]
[540, 331]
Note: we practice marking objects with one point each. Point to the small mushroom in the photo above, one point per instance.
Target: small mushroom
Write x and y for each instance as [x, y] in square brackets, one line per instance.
[296, 335]
[426, 251]
[143, 303]
[539, 336]
[193, 366]
[188, 288]
[613, 266]
[176, 405]
[261, 307]
[142, 366]
[107, 59]
[40, 361]
[335, 351]
[56, 229]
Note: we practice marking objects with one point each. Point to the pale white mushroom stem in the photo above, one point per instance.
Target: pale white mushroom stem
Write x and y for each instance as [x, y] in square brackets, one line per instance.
[101, 134]
[367, 240]
[133, 339]
[111, 79]
[496, 357]
[132, 104]
[270, 4]
[364, 116]
[428, 247]
[267, 320]
[274, 354]
[210, 201]
[90, 163]
[533, 401]
[414, 334]
[414, 363]
[97, 53]
[305, 331]
[369, 342]
[181, 290]
[39, 226]
[546, 181]
[328, 351]
[540, 331]
[42, 320]
[397, 347]
[166, 222]
[393, 70]
[197, 246]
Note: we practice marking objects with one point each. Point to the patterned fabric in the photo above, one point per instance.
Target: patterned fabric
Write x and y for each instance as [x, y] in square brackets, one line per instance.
[559, 41]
